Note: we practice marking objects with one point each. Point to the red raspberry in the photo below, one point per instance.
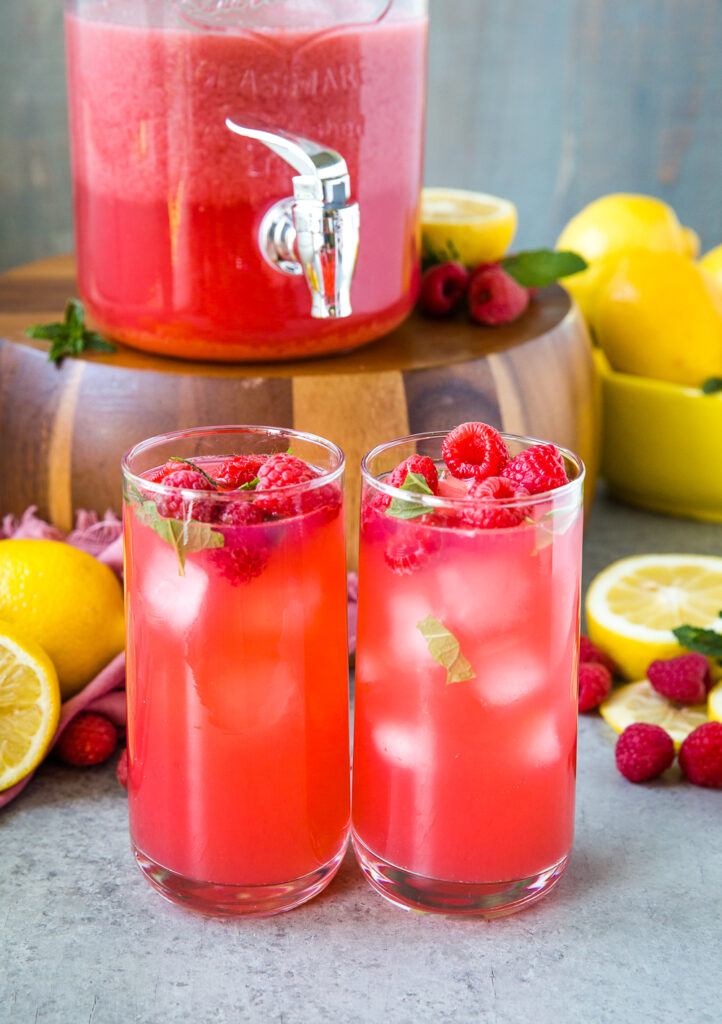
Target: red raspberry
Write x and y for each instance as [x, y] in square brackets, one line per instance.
[595, 683]
[121, 769]
[422, 465]
[700, 756]
[238, 470]
[474, 450]
[491, 513]
[175, 506]
[277, 473]
[88, 739]
[539, 468]
[243, 556]
[441, 288]
[157, 475]
[238, 513]
[686, 679]
[643, 752]
[494, 297]
[409, 548]
[590, 652]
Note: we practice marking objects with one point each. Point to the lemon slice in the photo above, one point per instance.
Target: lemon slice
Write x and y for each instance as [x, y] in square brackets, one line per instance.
[714, 703]
[633, 605]
[470, 227]
[640, 702]
[29, 705]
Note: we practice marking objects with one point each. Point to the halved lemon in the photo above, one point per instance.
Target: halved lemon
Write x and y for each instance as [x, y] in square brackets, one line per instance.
[640, 702]
[469, 227]
[714, 703]
[633, 605]
[29, 705]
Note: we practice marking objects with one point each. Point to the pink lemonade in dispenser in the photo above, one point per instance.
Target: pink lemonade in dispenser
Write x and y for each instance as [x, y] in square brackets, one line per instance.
[168, 202]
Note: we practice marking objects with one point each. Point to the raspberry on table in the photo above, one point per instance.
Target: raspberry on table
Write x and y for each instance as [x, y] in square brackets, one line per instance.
[88, 739]
[595, 684]
[121, 769]
[686, 678]
[494, 297]
[539, 468]
[237, 471]
[442, 286]
[589, 651]
[700, 756]
[474, 450]
[491, 513]
[643, 751]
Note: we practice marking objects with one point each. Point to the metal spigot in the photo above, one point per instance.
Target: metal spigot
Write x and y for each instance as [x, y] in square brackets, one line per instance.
[315, 232]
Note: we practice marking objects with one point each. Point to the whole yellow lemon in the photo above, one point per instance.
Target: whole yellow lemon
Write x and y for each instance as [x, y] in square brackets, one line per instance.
[66, 601]
[712, 263]
[659, 315]
[611, 225]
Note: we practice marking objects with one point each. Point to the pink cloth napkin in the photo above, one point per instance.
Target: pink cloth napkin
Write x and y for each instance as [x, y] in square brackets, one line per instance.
[103, 539]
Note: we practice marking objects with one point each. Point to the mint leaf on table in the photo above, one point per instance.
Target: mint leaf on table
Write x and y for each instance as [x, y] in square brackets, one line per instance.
[703, 641]
[185, 537]
[400, 508]
[69, 337]
[537, 268]
[444, 648]
[712, 385]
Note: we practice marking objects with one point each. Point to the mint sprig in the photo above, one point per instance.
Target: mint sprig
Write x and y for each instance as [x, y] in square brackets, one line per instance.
[400, 508]
[187, 462]
[69, 337]
[537, 268]
[445, 649]
[703, 641]
[186, 537]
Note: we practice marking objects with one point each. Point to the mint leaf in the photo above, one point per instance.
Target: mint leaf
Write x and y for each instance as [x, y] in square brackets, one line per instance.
[712, 385]
[185, 537]
[69, 337]
[402, 509]
[704, 641]
[444, 648]
[539, 267]
[250, 485]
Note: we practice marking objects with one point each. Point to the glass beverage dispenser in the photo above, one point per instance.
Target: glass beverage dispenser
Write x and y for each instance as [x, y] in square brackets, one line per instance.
[246, 172]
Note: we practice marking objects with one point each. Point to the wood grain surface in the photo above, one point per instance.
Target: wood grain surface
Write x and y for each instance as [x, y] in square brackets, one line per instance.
[63, 429]
[550, 104]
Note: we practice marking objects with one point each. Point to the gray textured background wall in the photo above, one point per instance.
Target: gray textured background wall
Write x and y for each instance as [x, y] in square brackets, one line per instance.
[548, 102]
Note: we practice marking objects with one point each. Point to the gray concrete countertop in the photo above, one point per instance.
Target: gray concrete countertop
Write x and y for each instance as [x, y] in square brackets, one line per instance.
[630, 936]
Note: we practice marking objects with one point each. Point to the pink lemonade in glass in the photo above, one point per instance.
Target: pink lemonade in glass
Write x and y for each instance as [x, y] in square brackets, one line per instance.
[465, 694]
[237, 673]
[168, 202]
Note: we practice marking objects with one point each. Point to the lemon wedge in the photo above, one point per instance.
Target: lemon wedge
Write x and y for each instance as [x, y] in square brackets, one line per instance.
[640, 702]
[469, 227]
[714, 703]
[29, 705]
[633, 605]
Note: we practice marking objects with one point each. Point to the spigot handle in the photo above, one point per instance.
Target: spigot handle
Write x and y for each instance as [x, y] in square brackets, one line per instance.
[317, 231]
[307, 157]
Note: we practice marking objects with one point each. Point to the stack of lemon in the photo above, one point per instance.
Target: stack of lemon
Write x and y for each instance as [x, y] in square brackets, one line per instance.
[632, 607]
[655, 312]
[61, 621]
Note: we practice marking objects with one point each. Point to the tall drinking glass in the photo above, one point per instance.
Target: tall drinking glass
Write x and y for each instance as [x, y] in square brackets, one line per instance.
[465, 697]
[237, 672]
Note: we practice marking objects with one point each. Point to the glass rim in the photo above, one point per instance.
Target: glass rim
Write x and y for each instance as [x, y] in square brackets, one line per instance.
[324, 478]
[442, 501]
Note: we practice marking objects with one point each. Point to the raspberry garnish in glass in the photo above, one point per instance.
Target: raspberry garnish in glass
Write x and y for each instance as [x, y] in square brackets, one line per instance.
[466, 669]
[237, 666]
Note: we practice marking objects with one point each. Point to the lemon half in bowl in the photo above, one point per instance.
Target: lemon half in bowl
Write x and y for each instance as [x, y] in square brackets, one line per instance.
[661, 444]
